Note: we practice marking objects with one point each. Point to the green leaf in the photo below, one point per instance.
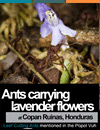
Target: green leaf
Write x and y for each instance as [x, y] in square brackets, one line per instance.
[64, 79]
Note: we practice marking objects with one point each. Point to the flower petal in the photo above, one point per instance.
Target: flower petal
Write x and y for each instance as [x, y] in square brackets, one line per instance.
[45, 31]
[52, 17]
[42, 8]
[66, 30]
[64, 47]
[57, 37]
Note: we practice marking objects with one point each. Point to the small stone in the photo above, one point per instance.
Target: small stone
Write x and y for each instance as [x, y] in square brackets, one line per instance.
[52, 75]
[3, 48]
[15, 79]
[90, 79]
[95, 52]
[9, 60]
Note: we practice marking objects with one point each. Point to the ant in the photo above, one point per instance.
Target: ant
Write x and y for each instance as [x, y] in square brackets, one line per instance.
[51, 56]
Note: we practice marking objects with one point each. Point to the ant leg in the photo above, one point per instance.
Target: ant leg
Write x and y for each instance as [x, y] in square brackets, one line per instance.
[50, 56]
[63, 64]
[65, 68]
[21, 64]
[24, 61]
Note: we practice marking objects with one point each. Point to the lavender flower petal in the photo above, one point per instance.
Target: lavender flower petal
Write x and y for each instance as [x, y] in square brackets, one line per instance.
[45, 31]
[57, 37]
[52, 17]
[66, 30]
[66, 46]
[42, 8]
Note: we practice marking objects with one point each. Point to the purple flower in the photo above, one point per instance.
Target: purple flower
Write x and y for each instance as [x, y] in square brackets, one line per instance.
[42, 8]
[52, 24]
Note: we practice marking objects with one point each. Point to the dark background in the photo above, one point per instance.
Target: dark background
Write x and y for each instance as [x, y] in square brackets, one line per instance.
[78, 93]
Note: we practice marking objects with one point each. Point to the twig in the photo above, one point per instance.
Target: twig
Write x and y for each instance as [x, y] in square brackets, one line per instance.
[84, 37]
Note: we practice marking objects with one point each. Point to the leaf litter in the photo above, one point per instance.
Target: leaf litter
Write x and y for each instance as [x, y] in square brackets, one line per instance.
[34, 61]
